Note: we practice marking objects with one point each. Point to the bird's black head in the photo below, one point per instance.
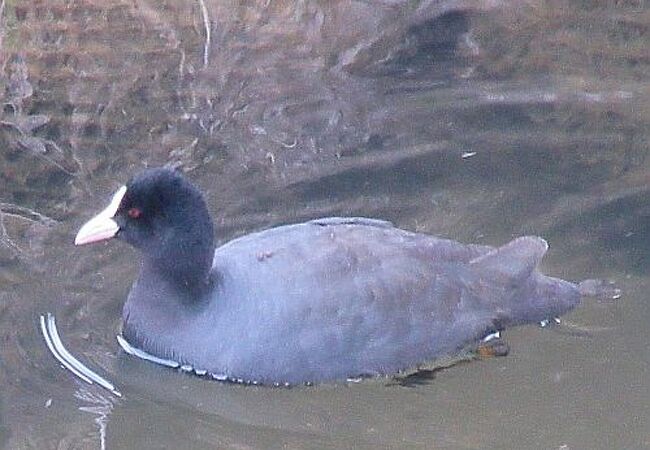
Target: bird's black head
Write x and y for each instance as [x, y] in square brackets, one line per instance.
[163, 215]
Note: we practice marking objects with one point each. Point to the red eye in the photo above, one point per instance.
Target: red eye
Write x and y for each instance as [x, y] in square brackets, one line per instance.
[134, 213]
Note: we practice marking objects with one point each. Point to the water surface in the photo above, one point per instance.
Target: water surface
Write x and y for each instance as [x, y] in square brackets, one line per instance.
[474, 121]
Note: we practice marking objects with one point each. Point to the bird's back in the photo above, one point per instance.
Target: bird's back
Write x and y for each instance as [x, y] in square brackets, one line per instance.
[341, 297]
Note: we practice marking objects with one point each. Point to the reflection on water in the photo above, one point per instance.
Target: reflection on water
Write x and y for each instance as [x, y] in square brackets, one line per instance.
[467, 119]
[101, 407]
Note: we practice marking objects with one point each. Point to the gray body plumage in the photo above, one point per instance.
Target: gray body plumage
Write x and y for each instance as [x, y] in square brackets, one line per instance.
[342, 297]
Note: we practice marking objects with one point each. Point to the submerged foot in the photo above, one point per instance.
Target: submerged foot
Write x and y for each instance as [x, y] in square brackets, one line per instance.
[493, 347]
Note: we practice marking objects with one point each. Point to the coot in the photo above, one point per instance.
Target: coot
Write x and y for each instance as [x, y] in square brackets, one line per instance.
[322, 300]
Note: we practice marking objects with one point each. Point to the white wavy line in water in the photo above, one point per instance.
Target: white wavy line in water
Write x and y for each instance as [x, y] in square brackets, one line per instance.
[58, 350]
[57, 356]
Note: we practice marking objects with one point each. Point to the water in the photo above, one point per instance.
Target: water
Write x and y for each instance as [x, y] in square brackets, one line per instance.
[446, 120]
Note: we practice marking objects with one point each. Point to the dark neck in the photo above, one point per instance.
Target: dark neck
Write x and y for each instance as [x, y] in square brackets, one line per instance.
[183, 256]
[186, 268]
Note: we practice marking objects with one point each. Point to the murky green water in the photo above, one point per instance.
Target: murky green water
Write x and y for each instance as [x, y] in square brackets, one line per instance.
[478, 122]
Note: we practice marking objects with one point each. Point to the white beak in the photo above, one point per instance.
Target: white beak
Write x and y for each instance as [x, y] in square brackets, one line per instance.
[102, 226]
